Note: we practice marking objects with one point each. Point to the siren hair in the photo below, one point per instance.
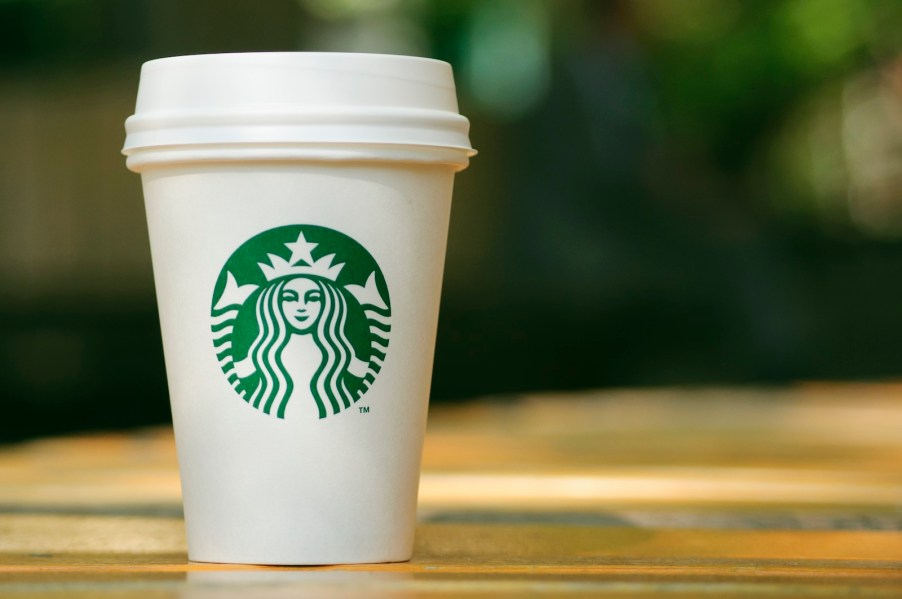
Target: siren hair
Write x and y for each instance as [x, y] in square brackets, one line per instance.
[331, 379]
[275, 384]
[332, 386]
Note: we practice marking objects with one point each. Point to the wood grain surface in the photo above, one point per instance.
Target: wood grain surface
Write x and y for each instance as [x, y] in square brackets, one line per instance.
[676, 493]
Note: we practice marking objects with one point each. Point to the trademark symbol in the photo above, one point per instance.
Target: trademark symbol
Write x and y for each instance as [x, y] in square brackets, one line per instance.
[364, 409]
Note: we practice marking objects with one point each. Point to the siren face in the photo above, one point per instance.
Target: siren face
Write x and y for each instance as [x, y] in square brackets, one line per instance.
[302, 302]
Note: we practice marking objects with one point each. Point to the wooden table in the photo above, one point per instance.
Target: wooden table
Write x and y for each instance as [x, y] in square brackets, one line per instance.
[671, 493]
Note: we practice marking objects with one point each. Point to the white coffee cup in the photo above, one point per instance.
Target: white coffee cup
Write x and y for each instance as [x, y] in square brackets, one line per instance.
[298, 207]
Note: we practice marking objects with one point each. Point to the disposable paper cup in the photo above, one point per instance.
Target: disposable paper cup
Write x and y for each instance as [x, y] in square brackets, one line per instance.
[298, 210]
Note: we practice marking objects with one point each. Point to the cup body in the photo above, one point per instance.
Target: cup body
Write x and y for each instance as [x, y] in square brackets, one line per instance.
[298, 283]
[298, 489]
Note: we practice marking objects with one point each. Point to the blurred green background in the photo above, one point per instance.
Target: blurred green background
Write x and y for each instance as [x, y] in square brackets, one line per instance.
[667, 192]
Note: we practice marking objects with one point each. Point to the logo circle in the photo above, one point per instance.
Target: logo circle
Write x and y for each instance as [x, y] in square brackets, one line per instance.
[300, 313]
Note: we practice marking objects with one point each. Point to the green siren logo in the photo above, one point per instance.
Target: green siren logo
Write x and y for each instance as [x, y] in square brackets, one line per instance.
[301, 311]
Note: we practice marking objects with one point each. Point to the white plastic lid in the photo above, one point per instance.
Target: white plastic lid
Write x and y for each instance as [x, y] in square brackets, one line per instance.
[296, 105]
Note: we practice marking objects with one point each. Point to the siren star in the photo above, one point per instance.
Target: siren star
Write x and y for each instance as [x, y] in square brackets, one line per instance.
[301, 250]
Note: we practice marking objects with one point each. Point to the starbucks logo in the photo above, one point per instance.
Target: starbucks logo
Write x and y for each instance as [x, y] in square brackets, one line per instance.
[301, 313]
